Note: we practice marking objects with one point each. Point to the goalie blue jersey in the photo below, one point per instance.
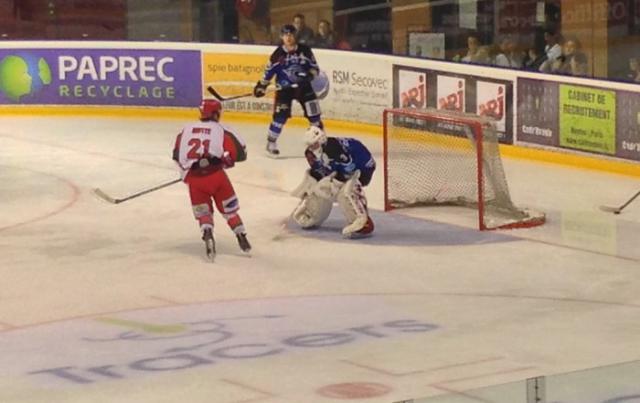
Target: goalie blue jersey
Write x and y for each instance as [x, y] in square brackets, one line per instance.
[344, 156]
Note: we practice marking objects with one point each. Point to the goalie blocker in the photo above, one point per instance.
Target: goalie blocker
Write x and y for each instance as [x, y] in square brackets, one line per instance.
[339, 168]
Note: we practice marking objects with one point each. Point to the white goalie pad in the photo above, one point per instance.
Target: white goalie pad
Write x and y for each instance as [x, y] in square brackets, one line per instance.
[306, 187]
[353, 202]
[328, 187]
[312, 211]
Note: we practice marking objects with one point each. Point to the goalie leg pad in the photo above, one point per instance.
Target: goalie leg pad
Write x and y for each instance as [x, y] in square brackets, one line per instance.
[353, 202]
[312, 211]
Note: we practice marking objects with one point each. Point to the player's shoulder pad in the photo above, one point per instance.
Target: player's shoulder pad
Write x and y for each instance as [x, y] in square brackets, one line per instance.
[277, 55]
[305, 49]
[333, 148]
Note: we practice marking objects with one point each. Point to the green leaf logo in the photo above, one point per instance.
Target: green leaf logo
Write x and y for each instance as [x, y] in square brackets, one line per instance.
[23, 75]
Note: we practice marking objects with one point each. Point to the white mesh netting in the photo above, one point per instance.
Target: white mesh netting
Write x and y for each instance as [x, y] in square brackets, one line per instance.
[432, 158]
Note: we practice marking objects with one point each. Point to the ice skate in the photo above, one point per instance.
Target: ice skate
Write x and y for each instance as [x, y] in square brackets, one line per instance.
[209, 243]
[272, 148]
[243, 242]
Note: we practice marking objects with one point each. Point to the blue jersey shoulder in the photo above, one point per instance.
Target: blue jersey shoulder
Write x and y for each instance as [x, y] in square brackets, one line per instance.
[342, 155]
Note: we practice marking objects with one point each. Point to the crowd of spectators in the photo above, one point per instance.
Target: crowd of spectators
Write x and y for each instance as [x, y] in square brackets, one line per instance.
[558, 56]
[323, 37]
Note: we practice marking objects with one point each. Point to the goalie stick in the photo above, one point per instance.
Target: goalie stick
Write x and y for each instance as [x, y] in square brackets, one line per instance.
[617, 210]
[98, 192]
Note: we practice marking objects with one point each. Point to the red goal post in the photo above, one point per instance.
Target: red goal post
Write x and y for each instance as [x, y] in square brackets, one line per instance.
[438, 157]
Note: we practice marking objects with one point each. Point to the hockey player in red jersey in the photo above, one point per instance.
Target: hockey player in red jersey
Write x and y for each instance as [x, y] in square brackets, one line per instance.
[203, 151]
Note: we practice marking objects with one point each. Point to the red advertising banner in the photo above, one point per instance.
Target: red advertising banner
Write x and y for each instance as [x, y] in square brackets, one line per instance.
[414, 87]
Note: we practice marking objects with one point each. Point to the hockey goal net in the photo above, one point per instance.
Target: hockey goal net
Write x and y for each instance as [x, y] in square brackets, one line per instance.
[437, 157]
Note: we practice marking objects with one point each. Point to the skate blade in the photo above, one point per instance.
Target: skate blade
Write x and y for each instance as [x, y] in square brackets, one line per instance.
[211, 252]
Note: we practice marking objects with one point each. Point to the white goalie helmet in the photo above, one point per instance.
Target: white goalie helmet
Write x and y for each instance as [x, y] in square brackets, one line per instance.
[315, 136]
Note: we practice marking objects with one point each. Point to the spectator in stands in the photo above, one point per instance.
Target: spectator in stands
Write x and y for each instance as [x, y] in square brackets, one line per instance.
[324, 36]
[304, 34]
[473, 43]
[507, 54]
[484, 55]
[579, 64]
[633, 75]
[534, 59]
[553, 51]
[573, 61]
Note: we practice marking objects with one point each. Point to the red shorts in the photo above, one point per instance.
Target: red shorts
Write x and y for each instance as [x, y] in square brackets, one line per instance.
[216, 186]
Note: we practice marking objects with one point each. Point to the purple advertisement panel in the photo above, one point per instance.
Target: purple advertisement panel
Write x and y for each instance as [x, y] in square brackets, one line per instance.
[628, 117]
[100, 77]
[538, 112]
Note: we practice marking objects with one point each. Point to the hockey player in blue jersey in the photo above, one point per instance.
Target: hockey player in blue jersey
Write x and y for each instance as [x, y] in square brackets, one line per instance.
[339, 167]
[294, 67]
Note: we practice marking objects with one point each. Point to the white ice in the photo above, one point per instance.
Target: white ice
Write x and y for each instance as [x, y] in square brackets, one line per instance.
[116, 303]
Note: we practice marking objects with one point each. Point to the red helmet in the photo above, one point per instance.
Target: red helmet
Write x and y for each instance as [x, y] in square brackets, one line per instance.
[210, 109]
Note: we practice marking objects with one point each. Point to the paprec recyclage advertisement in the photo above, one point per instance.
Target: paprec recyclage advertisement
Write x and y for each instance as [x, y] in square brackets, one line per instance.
[100, 77]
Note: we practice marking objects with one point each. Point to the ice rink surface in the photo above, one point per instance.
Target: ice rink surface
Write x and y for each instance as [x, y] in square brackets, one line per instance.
[116, 303]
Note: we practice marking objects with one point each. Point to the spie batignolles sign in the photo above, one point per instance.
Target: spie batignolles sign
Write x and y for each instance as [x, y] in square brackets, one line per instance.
[100, 77]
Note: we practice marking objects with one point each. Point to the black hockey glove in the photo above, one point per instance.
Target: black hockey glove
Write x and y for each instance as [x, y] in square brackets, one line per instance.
[307, 75]
[260, 89]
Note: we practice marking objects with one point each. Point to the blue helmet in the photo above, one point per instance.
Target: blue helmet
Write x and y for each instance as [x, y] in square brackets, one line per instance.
[288, 29]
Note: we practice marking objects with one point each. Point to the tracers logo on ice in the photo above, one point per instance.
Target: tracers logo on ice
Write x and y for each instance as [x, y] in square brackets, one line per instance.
[213, 335]
[23, 75]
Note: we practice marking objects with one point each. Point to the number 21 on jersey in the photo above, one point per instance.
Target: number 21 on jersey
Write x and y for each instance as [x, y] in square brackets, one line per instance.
[198, 148]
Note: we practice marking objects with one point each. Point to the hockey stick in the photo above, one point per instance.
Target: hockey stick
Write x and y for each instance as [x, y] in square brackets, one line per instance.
[220, 98]
[617, 210]
[98, 192]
